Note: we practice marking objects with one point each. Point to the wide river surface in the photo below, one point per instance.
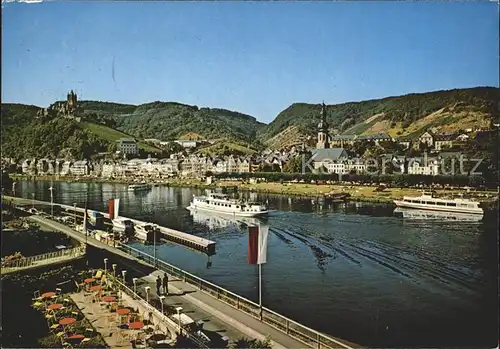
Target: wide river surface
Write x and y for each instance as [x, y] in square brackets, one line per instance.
[356, 271]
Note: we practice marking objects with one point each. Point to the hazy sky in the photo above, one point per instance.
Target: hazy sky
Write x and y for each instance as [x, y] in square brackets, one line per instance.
[256, 58]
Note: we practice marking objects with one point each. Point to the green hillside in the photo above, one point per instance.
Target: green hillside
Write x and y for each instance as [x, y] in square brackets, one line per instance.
[171, 120]
[23, 135]
[402, 115]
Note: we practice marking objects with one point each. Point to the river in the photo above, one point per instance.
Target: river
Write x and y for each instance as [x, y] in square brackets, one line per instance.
[356, 271]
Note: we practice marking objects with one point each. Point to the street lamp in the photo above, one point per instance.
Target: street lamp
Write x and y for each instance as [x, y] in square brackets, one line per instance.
[179, 309]
[74, 211]
[33, 195]
[52, 201]
[124, 272]
[147, 288]
[154, 245]
[162, 298]
[114, 269]
[14, 188]
[105, 265]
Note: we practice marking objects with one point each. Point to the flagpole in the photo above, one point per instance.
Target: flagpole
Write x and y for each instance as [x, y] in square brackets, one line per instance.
[260, 291]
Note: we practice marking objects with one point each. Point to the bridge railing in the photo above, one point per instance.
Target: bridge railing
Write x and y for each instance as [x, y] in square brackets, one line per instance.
[26, 262]
[292, 328]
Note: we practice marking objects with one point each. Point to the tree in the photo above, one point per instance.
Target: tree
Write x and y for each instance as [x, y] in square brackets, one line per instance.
[6, 182]
[244, 343]
[293, 165]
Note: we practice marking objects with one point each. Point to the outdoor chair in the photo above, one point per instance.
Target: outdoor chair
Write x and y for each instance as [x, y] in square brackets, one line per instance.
[36, 296]
[98, 275]
[37, 304]
[54, 327]
[79, 287]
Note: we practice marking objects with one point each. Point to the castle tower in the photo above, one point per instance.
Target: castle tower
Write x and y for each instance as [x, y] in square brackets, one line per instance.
[323, 138]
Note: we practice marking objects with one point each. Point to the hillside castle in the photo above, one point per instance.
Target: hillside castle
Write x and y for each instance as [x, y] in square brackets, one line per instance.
[68, 109]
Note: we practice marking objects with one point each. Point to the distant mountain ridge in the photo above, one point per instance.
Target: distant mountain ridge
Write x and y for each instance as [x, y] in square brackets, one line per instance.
[170, 120]
[104, 122]
[407, 115]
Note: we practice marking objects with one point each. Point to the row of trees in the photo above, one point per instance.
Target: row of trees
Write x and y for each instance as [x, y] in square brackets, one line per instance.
[396, 180]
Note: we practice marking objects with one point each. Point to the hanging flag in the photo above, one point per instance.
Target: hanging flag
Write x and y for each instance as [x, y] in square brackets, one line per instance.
[114, 205]
[257, 244]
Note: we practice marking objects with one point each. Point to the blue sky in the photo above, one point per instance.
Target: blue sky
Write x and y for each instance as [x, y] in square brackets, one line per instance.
[256, 58]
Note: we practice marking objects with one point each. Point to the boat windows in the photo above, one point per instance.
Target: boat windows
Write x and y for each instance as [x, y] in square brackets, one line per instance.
[453, 204]
[441, 203]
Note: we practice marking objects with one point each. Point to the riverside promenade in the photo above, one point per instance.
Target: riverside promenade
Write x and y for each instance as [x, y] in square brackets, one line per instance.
[222, 311]
[200, 306]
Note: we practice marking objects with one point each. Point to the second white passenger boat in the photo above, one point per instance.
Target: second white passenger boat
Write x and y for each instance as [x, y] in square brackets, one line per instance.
[141, 186]
[222, 203]
[428, 202]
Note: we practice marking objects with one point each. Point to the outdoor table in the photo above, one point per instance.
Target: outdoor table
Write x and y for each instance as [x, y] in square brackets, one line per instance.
[67, 321]
[110, 299]
[54, 306]
[95, 288]
[89, 280]
[48, 295]
[77, 336]
[137, 325]
[122, 313]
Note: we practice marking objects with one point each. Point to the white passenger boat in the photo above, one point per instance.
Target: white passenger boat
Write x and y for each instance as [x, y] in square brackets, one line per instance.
[146, 232]
[222, 203]
[409, 213]
[428, 202]
[140, 186]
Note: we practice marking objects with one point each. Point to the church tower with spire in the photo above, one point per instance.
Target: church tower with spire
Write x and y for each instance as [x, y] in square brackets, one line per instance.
[323, 137]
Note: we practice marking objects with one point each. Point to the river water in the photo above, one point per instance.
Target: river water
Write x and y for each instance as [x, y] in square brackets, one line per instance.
[356, 271]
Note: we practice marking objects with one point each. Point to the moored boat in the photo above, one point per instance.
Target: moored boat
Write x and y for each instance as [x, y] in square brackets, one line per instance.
[147, 233]
[123, 226]
[140, 186]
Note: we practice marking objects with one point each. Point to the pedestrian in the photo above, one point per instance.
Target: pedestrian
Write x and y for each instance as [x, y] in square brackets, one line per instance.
[165, 284]
[158, 285]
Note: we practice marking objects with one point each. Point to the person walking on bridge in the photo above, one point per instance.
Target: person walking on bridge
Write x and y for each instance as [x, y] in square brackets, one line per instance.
[158, 285]
[165, 284]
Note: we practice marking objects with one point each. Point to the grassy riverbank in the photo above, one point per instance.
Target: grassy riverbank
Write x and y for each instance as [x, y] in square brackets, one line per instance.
[358, 192]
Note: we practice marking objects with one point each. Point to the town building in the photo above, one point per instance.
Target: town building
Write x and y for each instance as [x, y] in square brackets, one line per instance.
[428, 166]
[323, 137]
[128, 146]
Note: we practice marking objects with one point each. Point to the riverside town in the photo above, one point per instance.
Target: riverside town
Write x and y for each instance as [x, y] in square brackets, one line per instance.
[218, 175]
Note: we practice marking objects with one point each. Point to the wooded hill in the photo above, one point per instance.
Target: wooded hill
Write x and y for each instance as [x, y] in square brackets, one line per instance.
[408, 115]
[443, 111]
